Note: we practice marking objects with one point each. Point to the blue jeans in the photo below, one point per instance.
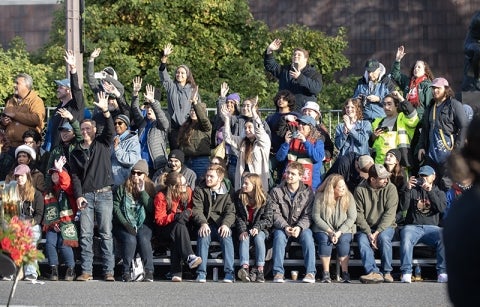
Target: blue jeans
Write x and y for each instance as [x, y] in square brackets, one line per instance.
[280, 241]
[227, 250]
[325, 246]
[31, 268]
[427, 234]
[384, 244]
[54, 242]
[260, 250]
[199, 165]
[129, 243]
[99, 210]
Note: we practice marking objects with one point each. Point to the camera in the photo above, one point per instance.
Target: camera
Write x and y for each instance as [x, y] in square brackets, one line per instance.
[83, 205]
[419, 181]
[100, 75]
[295, 134]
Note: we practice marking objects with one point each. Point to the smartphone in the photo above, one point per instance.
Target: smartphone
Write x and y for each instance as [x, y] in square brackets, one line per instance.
[295, 66]
[100, 75]
[382, 129]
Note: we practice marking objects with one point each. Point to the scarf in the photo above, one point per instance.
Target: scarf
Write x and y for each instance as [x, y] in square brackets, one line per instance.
[412, 95]
[58, 212]
[297, 152]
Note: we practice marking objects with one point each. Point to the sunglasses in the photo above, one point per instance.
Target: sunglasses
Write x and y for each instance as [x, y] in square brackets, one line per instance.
[118, 123]
[137, 173]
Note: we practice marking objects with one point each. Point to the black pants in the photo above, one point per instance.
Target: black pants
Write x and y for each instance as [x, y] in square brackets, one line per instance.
[180, 244]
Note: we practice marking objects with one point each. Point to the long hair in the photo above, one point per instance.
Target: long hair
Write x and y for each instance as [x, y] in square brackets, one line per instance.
[397, 176]
[325, 196]
[248, 144]
[428, 71]
[172, 190]
[26, 192]
[314, 134]
[358, 107]
[190, 79]
[186, 131]
[259, 196]
[132, 188]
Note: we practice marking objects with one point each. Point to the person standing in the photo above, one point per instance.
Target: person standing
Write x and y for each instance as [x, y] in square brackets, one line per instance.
[377, 201]
[292, 202]
[300, 78]
[25, 110]
[91, 170]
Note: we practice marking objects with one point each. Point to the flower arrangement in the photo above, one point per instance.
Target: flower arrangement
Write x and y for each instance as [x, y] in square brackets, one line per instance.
[16, 241]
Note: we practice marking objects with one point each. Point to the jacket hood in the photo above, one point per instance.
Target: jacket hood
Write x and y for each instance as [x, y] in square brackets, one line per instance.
[380, 76]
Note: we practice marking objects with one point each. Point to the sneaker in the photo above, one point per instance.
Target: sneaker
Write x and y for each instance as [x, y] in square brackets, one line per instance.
[110, 277]
[326, 278]
[53, 273]
[387, 277]
[193, 261]
[7, 278]
[253, 274]
[229, 278]
[442, 278]
[177, 278]
[346, 277]
[148, 276]
[260, 277]
[309, 278]
[278, 278]
[407, 278]
[85, 277]
[243, 275]
[70, 274]
[201, 278]
[30, 277]
[126, 277]
[371, 278]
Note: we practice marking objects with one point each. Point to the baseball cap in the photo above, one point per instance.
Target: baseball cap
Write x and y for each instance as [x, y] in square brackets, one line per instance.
[372, 65]
[378, 171]
[365, 161]
[21, 169]
[307, 119]
[426, 170]
[63, 82]
[65, 126]
[439, 82]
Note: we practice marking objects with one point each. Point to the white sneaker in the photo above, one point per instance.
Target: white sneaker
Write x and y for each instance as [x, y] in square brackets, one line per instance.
[407, 278]
[442, 278]
[194, 261]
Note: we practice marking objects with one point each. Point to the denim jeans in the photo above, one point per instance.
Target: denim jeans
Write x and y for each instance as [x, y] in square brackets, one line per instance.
[129, 244]
[199, 165]
[31, 268]
[280, 241]
[384, 244]
[325, 246]
[427, 234]
[227, 250]
[244, 249]
[99, 211]
[54, 242]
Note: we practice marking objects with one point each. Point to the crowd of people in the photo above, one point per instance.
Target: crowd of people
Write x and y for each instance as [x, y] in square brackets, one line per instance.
[132, 172]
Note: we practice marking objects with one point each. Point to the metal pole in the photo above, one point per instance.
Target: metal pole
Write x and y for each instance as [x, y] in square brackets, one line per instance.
[73, 35]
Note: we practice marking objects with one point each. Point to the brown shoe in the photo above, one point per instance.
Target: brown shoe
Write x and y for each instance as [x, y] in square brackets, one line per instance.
[371, 278]
[387, 277]
[109, 277]
[85, 277]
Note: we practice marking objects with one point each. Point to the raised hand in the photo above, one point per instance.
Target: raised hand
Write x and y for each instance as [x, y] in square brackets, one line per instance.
[69, 57]
[400, 53]
[195, 94]
[275, 45]
[59, 163]
[137, 85]
[150, 93]
[167, 50]
[102, 103]
[224, 89]
[64, 113]
[95, 53]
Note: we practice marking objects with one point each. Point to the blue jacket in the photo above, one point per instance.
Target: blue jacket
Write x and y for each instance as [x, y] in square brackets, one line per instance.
[356, 141]
[125, 156]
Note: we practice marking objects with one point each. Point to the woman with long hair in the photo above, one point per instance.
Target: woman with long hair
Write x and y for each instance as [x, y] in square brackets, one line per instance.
[254, 218]
[31, 207]
[173, 209]
[179, 94]
[305, 146]
[133, 219]
[334, 215]
[253, 149]
[352, 135]
[399, 177]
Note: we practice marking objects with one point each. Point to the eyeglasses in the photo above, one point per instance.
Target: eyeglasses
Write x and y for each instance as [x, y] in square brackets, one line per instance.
[118, 123]
[137, 173]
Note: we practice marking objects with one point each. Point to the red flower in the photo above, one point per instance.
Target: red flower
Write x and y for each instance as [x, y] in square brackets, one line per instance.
[6, 244]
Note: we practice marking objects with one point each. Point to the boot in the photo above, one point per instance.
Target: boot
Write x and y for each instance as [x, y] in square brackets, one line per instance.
[70, 274]
[54, 273]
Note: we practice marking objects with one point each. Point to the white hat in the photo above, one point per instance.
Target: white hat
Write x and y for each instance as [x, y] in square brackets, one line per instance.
[25, 148]
[312, 105]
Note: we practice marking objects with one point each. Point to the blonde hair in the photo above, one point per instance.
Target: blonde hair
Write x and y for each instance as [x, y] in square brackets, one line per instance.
[27, 192]
[325, 196]
[258, 195]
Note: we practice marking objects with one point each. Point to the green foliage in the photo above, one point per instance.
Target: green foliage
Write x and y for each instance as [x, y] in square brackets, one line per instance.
[16, 60]
[219, 40]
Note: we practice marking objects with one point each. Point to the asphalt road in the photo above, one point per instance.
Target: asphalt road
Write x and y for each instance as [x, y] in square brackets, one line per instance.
[188, 293]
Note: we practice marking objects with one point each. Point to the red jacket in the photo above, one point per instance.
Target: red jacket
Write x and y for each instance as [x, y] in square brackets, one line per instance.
[162, 217]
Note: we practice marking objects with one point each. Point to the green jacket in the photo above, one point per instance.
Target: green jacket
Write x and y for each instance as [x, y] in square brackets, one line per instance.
[124, 210]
